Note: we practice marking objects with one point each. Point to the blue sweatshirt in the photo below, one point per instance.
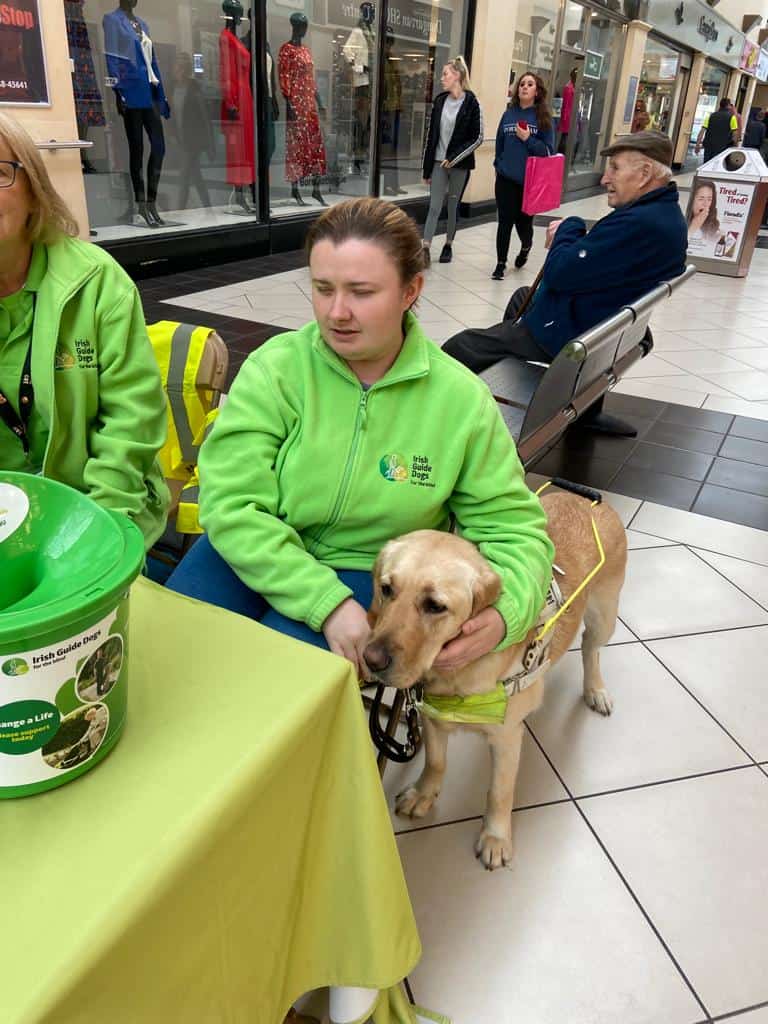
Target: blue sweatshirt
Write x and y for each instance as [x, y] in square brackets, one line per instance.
[590, 276]
[511, 152]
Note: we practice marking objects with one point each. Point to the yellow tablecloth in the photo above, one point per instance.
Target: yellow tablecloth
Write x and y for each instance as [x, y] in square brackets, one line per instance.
[233, 852]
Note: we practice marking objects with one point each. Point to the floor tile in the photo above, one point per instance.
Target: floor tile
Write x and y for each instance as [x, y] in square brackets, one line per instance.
[750, 384]
[757, 357]
[703, 419]
[644, 540]
[726, 671]
[751, 578]
[747, 450]
[705, 361]
[701, 531]
[688, 438]
[592, 472]
[751, 1017]
[670, 592]
[735, 506]
[741, 476]
[755, 430]
[509, 947]
[695, 853]
[738, 406]
[661, 487]
[653, 365]
[691, 465]
[466, 781]
[656, 731]
[661, 392]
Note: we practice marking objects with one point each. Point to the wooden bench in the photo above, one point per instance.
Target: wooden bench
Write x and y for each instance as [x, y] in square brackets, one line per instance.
[539, 402]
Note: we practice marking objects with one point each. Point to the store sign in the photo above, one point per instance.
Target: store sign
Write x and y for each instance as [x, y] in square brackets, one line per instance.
[407, 19]
[749, 57]
[717, 218]
[23, 80]
[686, 23]
[593, 64]
[762, 66]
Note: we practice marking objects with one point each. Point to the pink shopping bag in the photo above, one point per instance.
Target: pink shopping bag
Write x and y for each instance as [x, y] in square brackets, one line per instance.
[543, 183]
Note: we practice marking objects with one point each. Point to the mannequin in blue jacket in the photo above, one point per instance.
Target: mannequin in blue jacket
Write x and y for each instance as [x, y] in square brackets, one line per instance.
[589, 276]
[140, 97]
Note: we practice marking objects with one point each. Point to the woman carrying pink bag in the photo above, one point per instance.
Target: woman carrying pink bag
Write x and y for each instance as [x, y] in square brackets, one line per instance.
[525, 131]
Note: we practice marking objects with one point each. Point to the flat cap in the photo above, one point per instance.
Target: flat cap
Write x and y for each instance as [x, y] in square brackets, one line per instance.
[654, 145]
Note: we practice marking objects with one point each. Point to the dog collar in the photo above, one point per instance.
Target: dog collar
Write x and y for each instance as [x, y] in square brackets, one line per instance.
[490, 708]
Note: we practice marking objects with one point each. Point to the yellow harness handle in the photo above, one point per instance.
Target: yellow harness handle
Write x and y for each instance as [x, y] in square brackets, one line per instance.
[549, 624]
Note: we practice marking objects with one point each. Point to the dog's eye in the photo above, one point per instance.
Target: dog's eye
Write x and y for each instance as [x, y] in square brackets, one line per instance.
[386, 590]
[432, 607]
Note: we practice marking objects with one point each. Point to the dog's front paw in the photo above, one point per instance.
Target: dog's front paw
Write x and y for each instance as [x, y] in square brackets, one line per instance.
[599, 700]
[412, 803]
[493, 851]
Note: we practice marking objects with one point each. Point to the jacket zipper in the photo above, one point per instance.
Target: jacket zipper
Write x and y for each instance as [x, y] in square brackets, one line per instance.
[342, 493]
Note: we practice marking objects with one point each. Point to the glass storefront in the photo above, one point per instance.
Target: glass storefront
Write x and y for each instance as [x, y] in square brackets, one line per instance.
[663, 81]
[714, 83]
[584, 88]
[168, 94]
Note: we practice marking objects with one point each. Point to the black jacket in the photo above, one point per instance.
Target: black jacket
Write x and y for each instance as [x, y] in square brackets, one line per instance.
[467, 134]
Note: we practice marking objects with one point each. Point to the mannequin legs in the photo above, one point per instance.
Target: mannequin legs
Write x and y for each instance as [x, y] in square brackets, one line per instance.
[316, 193]
[137, 121]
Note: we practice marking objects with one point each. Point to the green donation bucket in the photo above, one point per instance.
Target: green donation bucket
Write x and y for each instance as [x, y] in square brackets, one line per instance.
[65, 569]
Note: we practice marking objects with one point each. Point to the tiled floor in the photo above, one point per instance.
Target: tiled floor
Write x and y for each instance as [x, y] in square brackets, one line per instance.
[638, 890]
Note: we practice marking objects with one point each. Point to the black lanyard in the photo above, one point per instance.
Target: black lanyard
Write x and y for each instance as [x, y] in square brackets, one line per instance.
[18, 423]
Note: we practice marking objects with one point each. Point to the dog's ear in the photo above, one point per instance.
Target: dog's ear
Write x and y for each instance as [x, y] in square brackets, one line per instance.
[485, 589]
[375, 608]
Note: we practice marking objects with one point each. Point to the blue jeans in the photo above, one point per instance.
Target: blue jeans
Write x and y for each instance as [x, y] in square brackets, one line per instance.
[204, 574]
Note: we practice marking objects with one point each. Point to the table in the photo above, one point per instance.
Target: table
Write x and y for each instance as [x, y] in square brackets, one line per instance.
[233, 852]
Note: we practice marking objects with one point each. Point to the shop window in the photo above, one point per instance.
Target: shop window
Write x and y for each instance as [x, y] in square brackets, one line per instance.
[164, 91]
[535, 38]
[660, 89]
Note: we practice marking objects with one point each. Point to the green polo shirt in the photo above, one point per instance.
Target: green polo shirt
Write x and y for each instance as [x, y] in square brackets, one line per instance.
[16, 316]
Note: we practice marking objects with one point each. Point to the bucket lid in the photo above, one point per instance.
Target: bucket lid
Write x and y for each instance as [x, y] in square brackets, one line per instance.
[62, 556]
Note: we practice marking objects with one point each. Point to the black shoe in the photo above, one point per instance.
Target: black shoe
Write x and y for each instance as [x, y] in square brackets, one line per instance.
[317, 195]
[447, 254]
[427, 255]
[498, 274]
[152, 210]
[295, 194]
[522, 257]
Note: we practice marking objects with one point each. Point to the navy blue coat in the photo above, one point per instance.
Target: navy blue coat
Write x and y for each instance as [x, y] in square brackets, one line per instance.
[590, 276]
[126, 66]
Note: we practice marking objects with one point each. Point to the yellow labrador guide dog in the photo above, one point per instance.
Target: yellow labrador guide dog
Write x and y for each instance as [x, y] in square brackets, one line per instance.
[427, 584]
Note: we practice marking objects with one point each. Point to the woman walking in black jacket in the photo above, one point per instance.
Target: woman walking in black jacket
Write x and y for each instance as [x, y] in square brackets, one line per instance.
[455, 132]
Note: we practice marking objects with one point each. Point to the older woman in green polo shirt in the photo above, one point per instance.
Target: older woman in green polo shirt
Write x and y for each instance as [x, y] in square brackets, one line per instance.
[80, 393]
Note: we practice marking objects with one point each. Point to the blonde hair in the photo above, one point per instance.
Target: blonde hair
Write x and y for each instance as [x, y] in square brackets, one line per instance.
[372, 220]
[50, 217]
[459, 65]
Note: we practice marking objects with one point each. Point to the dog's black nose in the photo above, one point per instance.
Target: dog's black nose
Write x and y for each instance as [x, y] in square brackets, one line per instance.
[377, 657]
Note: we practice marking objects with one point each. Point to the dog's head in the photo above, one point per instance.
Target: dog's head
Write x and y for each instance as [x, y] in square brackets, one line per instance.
[426, 585]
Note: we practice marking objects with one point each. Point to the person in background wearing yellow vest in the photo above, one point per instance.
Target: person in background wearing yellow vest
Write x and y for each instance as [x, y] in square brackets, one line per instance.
[719, 131]
[80, 394]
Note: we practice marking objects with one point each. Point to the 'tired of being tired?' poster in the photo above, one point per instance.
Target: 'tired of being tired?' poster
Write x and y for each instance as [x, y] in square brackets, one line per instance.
[717, 218]
[22, 62]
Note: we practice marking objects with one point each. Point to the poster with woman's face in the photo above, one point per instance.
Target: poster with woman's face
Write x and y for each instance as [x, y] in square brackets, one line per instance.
[717, 218]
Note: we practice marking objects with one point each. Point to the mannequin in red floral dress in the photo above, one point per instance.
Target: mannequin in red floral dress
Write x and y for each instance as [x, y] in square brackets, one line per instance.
[305, 150]
[236, 104]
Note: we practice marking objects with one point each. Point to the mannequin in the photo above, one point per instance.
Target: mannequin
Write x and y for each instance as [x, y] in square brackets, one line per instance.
[305, 150]
[89, 108]
[391, 109]
[140, 97]
[236, 104]
[272, 107]
[357, 52]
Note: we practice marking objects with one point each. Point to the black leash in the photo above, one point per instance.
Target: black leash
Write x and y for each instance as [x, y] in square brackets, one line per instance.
[387, 745]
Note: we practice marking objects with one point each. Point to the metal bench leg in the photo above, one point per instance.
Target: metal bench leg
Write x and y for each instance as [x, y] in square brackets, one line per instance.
[595, 419]
[392, 722]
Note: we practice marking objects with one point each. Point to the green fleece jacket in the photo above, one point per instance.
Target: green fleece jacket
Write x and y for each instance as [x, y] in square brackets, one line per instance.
[97, 385]
[305, 472]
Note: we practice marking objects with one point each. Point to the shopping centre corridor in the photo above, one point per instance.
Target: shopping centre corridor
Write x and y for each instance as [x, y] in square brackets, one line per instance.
[637, 895]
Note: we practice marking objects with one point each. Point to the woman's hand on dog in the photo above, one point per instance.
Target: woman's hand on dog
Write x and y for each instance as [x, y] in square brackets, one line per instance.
[347, 631]
[479, 635]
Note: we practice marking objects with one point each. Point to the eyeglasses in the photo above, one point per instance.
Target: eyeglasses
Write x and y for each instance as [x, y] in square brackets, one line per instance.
[8, 172]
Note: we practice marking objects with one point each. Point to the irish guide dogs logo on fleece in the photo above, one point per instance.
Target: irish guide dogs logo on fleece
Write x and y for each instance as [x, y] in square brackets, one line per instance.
[393, 467]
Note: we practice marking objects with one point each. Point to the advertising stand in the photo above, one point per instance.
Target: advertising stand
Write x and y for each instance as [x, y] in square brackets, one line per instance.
[725, 211]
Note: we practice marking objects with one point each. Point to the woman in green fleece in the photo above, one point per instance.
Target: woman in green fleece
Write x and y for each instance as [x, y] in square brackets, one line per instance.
[349, 432]
[80, 394]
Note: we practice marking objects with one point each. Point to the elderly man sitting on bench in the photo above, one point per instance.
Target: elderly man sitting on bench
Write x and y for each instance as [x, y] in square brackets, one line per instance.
[588, 277]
